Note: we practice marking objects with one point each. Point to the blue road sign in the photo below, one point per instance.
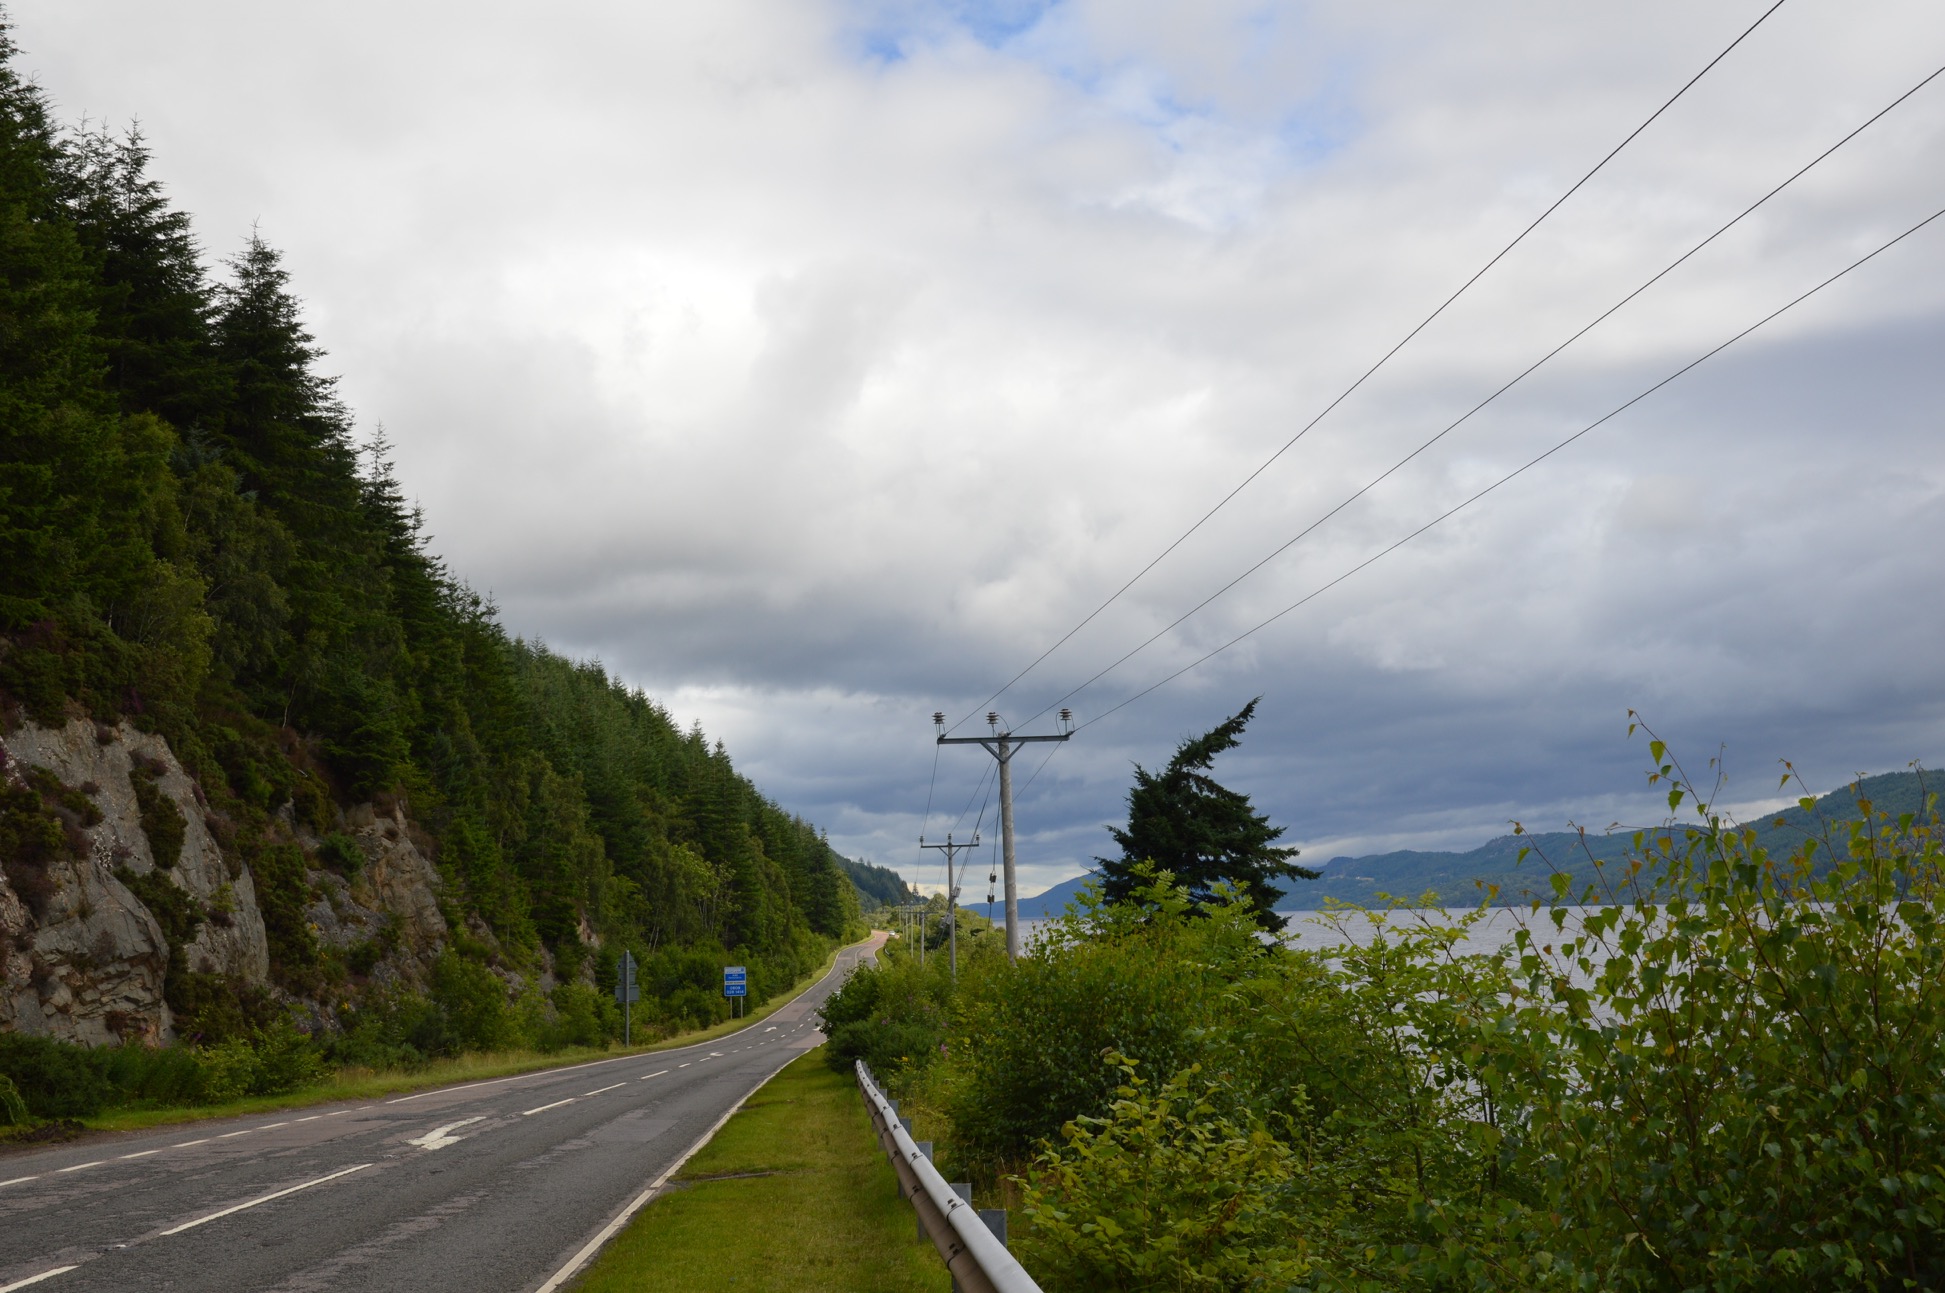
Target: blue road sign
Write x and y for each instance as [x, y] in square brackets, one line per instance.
[736, 981]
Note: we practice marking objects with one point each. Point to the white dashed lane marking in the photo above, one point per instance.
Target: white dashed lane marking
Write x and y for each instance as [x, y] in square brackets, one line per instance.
[545, 1107]
[260, 1200]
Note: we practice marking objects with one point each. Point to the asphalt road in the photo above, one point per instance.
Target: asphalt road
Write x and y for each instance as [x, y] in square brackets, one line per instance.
[485, 1186]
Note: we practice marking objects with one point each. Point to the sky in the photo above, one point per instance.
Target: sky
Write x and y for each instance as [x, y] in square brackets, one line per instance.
[818, 365]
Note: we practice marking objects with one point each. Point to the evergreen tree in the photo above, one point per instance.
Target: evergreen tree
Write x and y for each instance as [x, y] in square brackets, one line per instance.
[1202, 832]
[153, 306]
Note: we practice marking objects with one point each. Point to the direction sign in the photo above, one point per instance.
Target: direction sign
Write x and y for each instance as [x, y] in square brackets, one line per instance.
[736, 981]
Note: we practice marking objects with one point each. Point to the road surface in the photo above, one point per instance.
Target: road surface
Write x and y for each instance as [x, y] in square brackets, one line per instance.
[485, 1186]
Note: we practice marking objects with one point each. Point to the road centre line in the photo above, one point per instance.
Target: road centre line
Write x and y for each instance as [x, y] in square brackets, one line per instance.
[684, 1066]
[17, 1180]
[657, 1073]
[274, 1194]
[230, 1135]
[33, 1279]
[599, 1090]
[78, 1166]
[140, 1154]
[185, 1144]
[545, 1107]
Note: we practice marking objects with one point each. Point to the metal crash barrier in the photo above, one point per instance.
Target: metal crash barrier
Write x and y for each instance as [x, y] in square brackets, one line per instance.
[965, 1237]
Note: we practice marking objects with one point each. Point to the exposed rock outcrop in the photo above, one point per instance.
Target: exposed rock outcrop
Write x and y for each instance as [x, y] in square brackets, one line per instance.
[85, 958]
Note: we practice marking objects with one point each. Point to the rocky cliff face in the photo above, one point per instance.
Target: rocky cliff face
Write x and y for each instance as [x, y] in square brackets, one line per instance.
[85, 949]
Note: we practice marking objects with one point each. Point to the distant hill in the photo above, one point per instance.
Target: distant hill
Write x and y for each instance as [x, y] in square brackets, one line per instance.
[1460, 879]
[877, 886]
[1050, 902]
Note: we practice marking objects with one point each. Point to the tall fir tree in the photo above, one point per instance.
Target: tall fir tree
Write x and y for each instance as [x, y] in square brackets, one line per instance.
[1202, 832]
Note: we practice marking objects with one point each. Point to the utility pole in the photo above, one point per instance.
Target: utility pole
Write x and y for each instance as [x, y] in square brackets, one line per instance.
[1003, 746]
[951, 850]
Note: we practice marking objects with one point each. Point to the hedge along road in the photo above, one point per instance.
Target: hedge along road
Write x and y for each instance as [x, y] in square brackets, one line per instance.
[498, 1185]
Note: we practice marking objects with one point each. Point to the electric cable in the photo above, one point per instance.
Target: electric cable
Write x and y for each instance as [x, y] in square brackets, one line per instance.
[1381, 477]
[960, 819]
[1372, 370]
[1518, 471]
[930, 786]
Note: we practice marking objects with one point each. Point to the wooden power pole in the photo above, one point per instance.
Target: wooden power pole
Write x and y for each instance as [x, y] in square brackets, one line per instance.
[1003, 746]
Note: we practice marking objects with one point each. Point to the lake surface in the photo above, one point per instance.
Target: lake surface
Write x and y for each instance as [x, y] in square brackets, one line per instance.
[1313, 930]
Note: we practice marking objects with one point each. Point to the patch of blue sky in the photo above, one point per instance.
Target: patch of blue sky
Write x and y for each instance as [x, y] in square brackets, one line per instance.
[886, 31]
[1054, 38]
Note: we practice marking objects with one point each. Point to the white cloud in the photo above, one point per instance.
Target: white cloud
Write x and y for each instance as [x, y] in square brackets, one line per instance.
[817, 365]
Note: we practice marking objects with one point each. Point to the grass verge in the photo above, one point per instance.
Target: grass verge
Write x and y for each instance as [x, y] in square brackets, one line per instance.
[792, 1194]
[365, 1084]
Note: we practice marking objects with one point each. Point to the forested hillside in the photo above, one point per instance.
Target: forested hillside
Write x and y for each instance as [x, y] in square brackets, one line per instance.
[195, 545]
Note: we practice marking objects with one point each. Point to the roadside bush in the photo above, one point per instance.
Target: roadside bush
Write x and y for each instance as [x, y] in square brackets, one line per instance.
[582, 1017]
[1165, 1192]
[892, 1015]
[1723, 1070]
[1735, 1077]
[473, 1000]
[1143, 979]
[56, 1079]
[13, 1109]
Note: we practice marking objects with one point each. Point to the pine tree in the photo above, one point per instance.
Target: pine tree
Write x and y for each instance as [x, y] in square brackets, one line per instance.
[154, 304]
[1202, 832]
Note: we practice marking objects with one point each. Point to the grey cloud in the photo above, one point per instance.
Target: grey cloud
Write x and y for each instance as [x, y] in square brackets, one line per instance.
[815, 390]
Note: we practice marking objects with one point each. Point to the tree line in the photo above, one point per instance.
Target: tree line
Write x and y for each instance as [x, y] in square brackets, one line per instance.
[192, 538]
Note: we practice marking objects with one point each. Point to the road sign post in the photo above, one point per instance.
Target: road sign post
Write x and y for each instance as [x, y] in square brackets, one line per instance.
[736, 986]
[627, 992]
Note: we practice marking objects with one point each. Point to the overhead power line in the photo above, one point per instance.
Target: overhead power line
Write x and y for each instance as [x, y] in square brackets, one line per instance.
[1372, 370]
[1528, 371]
[1516, 472]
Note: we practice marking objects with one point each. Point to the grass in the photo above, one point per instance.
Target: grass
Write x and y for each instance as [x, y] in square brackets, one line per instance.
[365, 1084]
[792, 1194]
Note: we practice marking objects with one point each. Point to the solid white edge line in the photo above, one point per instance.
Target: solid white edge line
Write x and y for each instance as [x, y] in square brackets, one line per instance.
[274, 1194]
[35, 1279]
[545, 1107]
[622, 1218]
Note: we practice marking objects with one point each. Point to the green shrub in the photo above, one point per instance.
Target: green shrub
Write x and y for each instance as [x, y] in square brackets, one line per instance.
[162, 821]
[56, 1079]
[890, 1015]
[583, 1017]
[13, 1109]
[342, 854]
[473, 1001]
[1165, 1192]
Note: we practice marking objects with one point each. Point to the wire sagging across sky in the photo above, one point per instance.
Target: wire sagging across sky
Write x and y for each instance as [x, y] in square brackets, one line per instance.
[1518, 471]
[1528, 371]
[1373, 369]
